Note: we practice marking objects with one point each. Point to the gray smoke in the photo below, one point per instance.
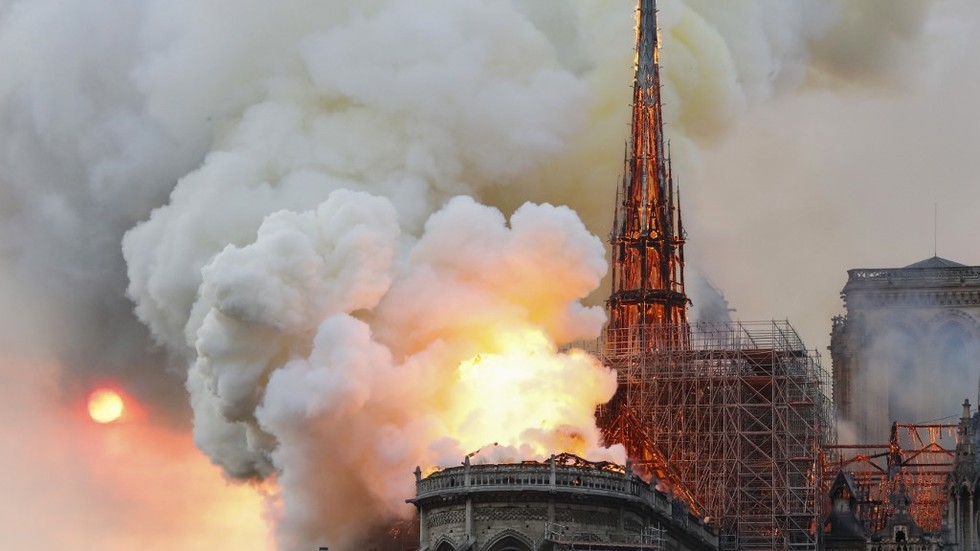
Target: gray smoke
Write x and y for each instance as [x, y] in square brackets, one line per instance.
[708, 302]
[914, 371]
[251, 149]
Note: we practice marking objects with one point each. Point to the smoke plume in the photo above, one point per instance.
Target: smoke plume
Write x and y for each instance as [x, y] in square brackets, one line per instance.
[930, 354]
[291, 180]
[327, 355]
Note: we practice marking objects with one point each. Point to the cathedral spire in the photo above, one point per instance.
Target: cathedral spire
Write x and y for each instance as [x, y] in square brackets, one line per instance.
[647, 240]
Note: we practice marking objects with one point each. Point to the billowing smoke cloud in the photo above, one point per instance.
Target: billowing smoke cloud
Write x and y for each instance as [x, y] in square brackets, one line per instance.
[327, 356]
[340, 317]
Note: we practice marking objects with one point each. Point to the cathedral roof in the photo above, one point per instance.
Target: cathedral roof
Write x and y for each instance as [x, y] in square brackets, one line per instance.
[842, 523]
[900, 517]
[843, 481]
[936, 262]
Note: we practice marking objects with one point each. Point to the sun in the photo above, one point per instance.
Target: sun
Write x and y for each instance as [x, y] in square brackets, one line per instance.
[105, 405]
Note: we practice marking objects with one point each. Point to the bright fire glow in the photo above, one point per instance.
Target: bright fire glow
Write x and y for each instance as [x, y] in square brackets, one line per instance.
[530, 398]
[105, 405]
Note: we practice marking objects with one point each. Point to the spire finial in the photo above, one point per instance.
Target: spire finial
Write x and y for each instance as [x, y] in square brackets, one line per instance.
[647, 71]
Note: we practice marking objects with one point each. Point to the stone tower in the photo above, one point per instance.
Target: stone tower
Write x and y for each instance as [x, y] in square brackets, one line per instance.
[908, 348]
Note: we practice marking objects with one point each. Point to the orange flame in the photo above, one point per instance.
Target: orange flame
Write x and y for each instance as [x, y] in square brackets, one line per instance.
[529, 398]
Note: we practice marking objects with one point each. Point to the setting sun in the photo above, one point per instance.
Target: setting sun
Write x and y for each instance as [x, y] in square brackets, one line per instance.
[105, 406]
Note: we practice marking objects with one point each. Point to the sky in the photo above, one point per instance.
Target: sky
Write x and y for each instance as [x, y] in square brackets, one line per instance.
[144, 146]
[131, 484]
[811, 185]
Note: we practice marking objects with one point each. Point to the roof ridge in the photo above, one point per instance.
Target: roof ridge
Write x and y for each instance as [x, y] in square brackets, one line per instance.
[936, 262]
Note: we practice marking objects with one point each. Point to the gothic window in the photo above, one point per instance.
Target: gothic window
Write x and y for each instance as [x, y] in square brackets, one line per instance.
[956, 367]
[954, 356]
[510, 543]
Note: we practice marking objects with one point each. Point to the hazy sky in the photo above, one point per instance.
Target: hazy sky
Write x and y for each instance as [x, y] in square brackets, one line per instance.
[813, 184]
[72, 483]
[808, 140]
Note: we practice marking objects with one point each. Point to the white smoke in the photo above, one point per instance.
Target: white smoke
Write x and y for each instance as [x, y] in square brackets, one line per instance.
[330, 358]
[310, 271]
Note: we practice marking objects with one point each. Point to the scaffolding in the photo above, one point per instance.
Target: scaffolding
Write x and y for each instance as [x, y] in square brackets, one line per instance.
[556, 536]
[732, 418]
[918, 458]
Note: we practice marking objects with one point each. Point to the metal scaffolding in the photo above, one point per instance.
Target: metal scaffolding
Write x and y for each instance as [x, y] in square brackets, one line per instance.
[728, 416]
[732, 417]
[556, 539]
[917, 457]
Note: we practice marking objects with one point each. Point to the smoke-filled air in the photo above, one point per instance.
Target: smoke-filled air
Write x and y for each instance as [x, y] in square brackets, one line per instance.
[336, 240]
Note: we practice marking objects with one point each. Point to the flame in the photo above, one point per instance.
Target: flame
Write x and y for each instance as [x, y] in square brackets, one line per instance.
[528, 399]
[105, 405]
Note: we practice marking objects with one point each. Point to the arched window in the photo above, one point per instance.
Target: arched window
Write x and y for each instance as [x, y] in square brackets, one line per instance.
[510, 543]
[954, 356]
[446, 546]
[956, 366]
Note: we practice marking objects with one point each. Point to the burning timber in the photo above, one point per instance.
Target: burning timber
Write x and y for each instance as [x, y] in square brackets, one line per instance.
[916, 462]
[730, 416]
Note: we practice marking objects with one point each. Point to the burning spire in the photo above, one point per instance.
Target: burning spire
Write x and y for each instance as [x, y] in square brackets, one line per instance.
[647, 239]
[647, 308]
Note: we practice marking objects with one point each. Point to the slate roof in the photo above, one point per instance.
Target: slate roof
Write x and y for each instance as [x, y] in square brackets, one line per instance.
[936, 262]
[843, 525]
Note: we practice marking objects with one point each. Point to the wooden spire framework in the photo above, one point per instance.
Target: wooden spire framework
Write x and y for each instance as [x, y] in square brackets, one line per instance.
[647, 306]
[647, 239]
[730, 416]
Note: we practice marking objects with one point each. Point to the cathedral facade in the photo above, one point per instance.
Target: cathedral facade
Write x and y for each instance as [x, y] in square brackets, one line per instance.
[908, 347]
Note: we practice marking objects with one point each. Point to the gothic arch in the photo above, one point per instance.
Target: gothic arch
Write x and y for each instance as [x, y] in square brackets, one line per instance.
[946, 326]
[509, 540]
[953, 325]
[953, 349]
[963, 504]
[959, 487]
[444, 544]
[968, 321]
[953, 344]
